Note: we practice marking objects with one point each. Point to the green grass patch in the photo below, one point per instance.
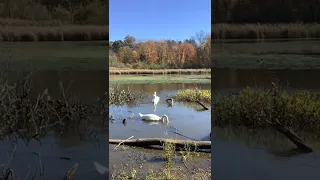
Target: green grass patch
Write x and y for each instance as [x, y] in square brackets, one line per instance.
[266, 55]
[194, 95]
[159, 79]
[257, 107]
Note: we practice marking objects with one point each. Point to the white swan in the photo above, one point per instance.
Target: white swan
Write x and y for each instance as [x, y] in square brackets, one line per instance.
[154, 117]
[155, 99]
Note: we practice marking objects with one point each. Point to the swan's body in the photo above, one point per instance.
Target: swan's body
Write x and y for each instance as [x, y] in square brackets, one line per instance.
[154, 117]
[155, 99]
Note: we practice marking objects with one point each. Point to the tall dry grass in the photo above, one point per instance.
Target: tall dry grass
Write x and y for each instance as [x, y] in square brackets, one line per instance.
[25, 22]
[50, 30]
[265, 31]
[54, 33]
[116, 71]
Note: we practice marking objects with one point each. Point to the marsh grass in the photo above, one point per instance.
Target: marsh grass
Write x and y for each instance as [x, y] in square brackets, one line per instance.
[25, 22]
[54, 33]
[265, 31]
[194, 95]
[22, 117]
[32, 118]
[119, 96]
[258, 107]
[117, 71]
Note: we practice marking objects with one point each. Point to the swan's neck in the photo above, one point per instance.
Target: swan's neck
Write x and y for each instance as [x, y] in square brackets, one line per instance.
[164, 119]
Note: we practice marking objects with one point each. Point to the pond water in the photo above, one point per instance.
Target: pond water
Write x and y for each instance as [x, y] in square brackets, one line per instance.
[241, 154]
[186, 119]
[60, 152]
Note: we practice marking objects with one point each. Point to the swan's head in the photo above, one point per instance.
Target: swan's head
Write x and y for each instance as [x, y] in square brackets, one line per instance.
[155, 93]
[165, 118]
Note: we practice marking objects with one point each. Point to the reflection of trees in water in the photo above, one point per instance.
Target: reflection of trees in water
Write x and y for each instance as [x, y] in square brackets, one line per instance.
[273, 141]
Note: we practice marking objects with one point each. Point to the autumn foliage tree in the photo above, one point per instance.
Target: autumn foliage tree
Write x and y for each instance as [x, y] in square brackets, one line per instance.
[191, 53]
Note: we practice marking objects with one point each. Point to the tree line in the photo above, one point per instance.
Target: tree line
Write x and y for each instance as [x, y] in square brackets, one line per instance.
[265, 11]
[66, 11]
[190, 53]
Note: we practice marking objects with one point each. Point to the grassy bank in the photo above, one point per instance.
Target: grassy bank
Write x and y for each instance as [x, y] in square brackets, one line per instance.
[159, 79]
[266, 55]
[54, 33]
[116, 71]
[257, 107]
[265, 31]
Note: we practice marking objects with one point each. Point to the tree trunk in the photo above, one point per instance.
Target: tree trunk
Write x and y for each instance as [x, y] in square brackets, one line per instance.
[179, 144]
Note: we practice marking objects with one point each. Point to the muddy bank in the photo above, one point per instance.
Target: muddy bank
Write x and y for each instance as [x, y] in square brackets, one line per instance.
[126, 160]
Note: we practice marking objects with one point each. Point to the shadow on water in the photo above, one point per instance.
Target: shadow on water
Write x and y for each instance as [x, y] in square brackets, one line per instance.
[263, 154]
[59, 152]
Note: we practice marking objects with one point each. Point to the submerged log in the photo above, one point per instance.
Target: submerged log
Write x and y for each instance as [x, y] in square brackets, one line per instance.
[202, 105]
[292, 137]
[179, 144]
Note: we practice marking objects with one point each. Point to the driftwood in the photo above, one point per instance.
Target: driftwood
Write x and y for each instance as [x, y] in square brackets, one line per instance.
[179, 144]
[202, 105]
[291, 136]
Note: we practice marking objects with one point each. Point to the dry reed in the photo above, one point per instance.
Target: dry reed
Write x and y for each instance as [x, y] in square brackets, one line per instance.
[116, 71]
[265, 31]
[54, 33]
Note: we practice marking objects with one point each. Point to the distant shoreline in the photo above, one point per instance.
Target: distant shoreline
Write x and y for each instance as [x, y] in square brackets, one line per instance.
[265, 31]
[117, 71]
[54, 33]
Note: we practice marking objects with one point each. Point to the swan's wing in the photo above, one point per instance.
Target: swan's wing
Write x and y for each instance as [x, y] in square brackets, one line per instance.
[152, 117]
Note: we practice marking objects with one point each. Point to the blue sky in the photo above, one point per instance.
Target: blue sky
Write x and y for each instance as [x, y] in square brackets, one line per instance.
[158, 19]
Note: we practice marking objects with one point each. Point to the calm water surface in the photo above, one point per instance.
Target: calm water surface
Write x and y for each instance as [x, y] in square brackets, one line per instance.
[261, 155]
[186, 119]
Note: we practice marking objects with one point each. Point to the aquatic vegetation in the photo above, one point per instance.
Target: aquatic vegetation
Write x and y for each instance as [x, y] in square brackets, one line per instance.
[194, 95]
[257, 107]
[25, 117]
[118, 96]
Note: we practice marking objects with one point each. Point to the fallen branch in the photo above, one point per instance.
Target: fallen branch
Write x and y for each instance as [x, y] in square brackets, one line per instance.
[179, 144]
[123, 142]
[292, 137]
[202, 105]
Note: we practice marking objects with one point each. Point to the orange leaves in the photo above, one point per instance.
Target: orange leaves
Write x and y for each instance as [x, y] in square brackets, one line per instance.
[149, 50]
[167, 53]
